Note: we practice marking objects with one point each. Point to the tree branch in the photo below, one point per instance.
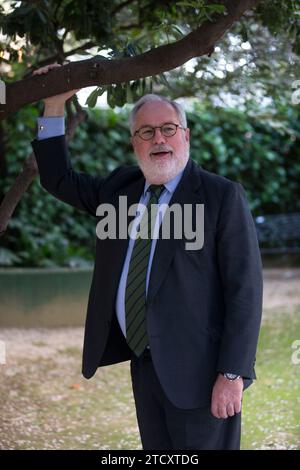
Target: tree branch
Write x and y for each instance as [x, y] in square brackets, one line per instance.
[103, 72]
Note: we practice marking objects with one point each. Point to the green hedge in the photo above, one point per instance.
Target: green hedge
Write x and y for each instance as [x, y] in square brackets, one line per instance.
[46, 232]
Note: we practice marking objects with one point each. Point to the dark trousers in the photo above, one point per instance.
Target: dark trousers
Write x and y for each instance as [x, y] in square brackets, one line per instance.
[163, 426]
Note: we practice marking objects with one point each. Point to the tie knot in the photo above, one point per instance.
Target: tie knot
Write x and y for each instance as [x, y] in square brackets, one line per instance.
[156, 190]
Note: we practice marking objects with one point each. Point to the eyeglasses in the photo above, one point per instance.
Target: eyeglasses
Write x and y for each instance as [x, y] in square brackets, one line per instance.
[168, 130]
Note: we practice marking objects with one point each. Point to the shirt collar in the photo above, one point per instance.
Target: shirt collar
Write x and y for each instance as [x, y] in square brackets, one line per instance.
[170, 185]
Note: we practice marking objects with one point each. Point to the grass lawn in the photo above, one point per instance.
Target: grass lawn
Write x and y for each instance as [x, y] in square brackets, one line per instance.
[46, 404]
[271, 407]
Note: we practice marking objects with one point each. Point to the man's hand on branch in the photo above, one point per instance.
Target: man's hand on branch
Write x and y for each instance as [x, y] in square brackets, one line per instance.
[55, 105]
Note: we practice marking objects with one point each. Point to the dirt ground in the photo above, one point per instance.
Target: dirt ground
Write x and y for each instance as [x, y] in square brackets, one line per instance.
[36, 380]
[281, 288]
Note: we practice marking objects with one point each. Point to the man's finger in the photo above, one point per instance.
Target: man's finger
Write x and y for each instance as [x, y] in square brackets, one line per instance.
[45, 69]
[214, 410]
[230, 409]
[237, 406]
[222, 411]
[53, 66]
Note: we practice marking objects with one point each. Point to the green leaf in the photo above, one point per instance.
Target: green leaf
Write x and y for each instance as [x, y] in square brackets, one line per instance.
[176, 29]
[110, 96]
[91, 100]
[163, 80]
[129, 93]
[119, 94]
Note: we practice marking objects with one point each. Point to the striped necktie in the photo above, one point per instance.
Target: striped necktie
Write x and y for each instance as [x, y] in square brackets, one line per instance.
[135, 293]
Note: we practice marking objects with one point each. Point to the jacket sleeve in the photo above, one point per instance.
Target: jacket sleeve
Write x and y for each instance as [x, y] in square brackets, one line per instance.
[58, 177]
[240, 267]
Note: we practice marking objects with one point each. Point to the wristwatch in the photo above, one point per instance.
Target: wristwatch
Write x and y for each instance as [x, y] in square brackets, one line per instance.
[230, 376]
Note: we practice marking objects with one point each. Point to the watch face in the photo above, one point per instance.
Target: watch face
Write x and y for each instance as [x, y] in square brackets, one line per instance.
[231, 376]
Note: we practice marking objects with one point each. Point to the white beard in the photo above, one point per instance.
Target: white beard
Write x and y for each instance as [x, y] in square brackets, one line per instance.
[158, 171]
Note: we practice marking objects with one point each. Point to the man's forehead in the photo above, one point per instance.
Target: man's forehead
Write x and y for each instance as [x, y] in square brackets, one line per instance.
[155, 113]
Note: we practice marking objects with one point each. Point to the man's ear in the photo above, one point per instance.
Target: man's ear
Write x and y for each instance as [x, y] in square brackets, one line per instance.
[187, 134]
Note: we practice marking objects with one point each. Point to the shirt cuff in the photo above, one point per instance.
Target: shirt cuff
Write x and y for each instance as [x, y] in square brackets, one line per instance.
[50, 127]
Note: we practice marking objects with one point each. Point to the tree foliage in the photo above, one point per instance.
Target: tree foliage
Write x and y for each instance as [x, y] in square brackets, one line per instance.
[43, 31]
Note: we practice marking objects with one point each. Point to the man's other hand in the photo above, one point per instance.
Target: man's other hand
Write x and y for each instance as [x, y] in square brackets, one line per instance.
[226, 397]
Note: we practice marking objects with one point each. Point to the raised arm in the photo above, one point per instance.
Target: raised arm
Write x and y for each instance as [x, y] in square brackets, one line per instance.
[56, 174]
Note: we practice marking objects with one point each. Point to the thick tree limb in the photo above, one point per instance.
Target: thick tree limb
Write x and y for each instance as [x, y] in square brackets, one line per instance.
[103, 72]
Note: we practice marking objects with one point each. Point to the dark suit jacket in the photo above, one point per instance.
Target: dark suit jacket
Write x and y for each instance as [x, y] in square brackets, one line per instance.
[203, 307]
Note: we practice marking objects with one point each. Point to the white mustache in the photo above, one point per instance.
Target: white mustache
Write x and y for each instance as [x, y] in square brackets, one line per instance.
[160, 148]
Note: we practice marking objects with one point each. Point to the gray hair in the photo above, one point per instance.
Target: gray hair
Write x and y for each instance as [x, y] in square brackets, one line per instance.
[151, 97]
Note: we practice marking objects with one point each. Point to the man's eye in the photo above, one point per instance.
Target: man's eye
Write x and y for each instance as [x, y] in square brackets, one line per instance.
[146, 132]
[168, 129]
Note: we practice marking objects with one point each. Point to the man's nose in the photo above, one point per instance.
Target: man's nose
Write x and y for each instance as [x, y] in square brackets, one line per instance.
[158, 137]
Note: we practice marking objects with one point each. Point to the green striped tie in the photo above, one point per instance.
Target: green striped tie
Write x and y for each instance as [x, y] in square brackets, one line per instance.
[135, 293]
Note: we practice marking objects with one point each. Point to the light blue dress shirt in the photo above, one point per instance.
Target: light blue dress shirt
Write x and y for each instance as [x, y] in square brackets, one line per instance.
[165, 197]
[50, 127]
[54, 127]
